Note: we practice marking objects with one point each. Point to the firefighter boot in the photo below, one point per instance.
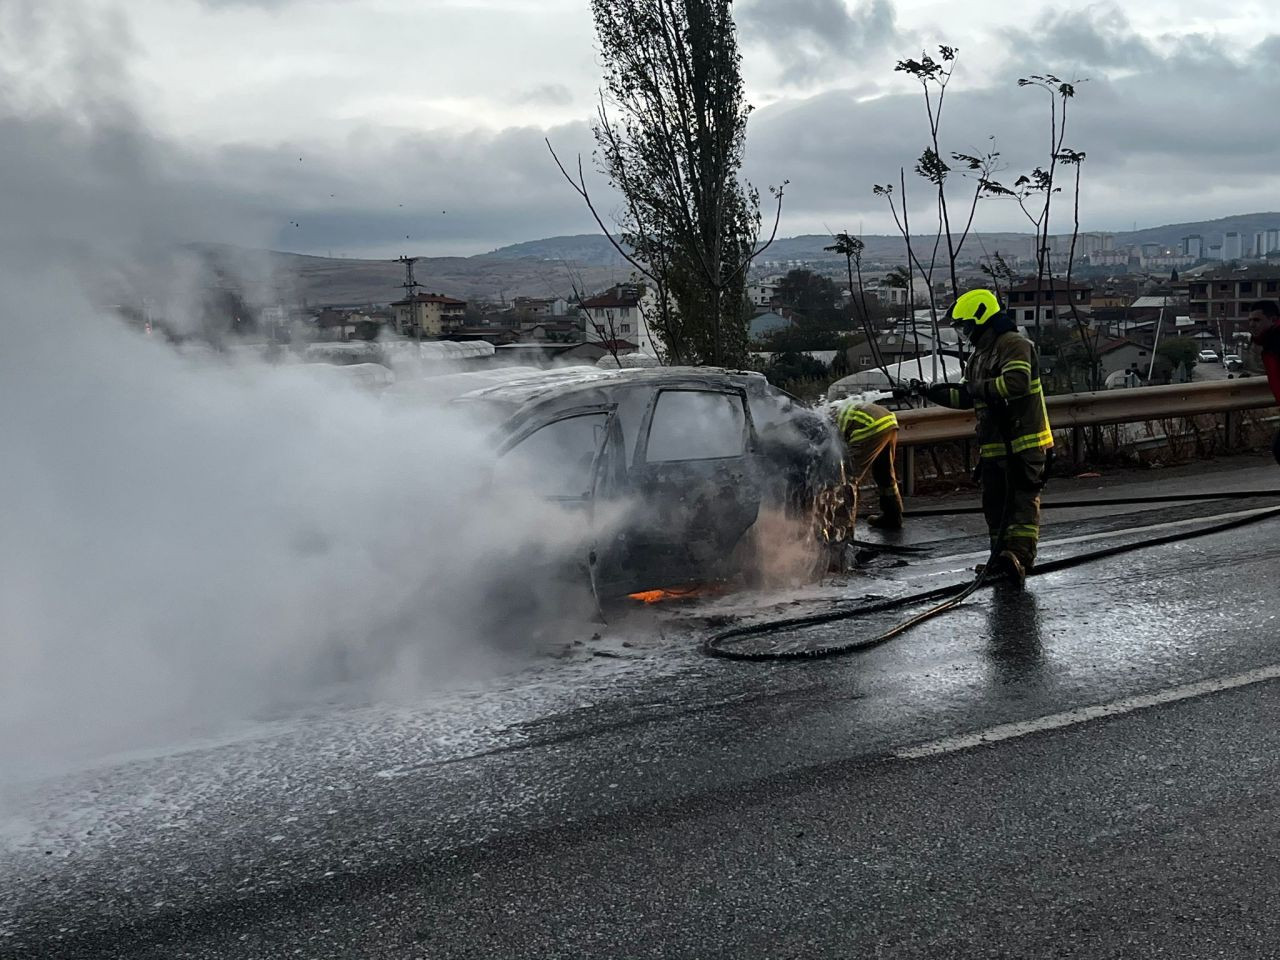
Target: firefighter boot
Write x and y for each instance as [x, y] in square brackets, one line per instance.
[890, 515]
[1006, 568]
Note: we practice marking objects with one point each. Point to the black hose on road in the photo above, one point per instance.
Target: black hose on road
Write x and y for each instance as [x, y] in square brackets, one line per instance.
[955, 594]
[1112, 502]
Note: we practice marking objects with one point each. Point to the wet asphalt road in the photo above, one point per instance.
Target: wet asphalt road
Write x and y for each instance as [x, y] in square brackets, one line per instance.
[677, 806]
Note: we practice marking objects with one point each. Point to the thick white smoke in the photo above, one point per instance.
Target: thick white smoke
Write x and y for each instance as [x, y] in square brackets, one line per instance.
[187, 542]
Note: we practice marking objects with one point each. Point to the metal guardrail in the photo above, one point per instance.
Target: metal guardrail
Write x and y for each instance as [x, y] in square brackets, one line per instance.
[939, 425]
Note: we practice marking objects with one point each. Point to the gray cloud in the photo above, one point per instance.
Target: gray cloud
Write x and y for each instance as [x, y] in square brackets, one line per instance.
[1096, 37]
[1188, 134]
[86, 166]
[265, 4]
[1174, 130]
[547, 95]
[810, 36]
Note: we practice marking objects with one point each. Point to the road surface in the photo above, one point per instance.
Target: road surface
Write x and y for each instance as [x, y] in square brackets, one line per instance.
[946, 795]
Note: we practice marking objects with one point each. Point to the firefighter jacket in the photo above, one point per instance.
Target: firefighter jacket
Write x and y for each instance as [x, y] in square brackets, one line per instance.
[1269, 341]
[1002, 384]
[859, 422]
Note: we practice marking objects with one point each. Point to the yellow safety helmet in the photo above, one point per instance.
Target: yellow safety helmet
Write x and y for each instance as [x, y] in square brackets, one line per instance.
[972, 311]
[976, 307]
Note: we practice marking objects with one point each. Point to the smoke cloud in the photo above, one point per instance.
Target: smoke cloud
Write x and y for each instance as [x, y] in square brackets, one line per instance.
[188, 542]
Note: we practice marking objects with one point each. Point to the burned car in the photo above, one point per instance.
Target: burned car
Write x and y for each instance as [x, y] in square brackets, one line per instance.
[689, 457]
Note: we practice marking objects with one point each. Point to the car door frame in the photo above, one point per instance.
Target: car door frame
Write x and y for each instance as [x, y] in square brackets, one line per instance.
[641, 475]
[533, 424]
[610, 441]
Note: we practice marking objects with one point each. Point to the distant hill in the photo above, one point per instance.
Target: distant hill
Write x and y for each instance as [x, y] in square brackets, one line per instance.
[551, 266]
[586, 249]
[596, 250]
[1245, 224]
[298, 278]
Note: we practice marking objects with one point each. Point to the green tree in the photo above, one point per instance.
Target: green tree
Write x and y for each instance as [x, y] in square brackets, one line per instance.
[1180, 351]
[799, 338]
[814, 297]
[670, 132]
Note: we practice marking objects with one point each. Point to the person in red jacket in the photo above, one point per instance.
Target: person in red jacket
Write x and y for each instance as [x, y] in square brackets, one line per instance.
[1265, 318]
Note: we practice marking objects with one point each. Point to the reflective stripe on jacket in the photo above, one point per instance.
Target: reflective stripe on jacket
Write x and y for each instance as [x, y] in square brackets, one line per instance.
[1003, 380]
[862, 421]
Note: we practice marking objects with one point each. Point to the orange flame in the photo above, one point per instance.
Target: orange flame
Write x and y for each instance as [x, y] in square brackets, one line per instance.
[679, 593]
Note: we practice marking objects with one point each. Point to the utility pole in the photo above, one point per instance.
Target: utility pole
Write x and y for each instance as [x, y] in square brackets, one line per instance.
[1151, 370]
[411, 287]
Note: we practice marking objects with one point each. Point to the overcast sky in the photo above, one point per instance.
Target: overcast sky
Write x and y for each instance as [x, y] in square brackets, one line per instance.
[374, 127]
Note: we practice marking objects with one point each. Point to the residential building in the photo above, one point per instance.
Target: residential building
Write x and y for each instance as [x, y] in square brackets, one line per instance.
[1265, 242]
[1093, 247]
[1117, 356]
[1168, 261]
[766, 323]
[540, 309]
[1110, 258]
[1110, 298]
[903, 344]
[552, 331]
[1221, 297]
[762, 294]
[427, 314]
[885, 294]
[1053, 301]
[1193, 246]
[591, 351]
[1150, 306]
[1232, 246]
[1141, 332]
[623, 312]
[337, 324]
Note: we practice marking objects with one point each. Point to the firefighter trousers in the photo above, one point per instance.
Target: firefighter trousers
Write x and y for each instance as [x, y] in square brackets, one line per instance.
[877, 455]
[1011, 503]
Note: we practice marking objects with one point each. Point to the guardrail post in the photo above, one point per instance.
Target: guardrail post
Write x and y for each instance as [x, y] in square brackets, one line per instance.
[909, 470]
[1230, 424]
[1077, 445]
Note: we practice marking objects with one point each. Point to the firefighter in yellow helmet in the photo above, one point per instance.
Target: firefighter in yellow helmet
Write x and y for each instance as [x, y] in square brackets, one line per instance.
[1002, 383]
[870, 434]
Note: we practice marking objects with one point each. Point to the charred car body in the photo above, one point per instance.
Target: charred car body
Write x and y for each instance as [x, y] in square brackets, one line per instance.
[686, 457]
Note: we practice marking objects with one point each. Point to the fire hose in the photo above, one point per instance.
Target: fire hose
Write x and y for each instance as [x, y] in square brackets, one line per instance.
[721, 644]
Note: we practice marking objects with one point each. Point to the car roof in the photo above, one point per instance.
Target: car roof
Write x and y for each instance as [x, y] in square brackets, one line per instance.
[529, 389]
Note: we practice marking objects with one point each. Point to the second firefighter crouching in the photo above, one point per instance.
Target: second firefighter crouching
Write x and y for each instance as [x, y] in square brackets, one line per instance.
[1002, 385]
[870, 434]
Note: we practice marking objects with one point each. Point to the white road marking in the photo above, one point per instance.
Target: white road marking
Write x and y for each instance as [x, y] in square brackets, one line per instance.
[1056, 721]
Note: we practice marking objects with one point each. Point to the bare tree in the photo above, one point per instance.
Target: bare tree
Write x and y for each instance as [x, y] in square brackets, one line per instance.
[999, 270]
[670, 131]
[851, 249]
[1034, 194]
[1076, 158]
[934, 77]
[901, 219]
[605, 333]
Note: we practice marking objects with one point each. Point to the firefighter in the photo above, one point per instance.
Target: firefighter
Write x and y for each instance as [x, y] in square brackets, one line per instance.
[1002, 383]
[1264, 317]
[870, 434]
